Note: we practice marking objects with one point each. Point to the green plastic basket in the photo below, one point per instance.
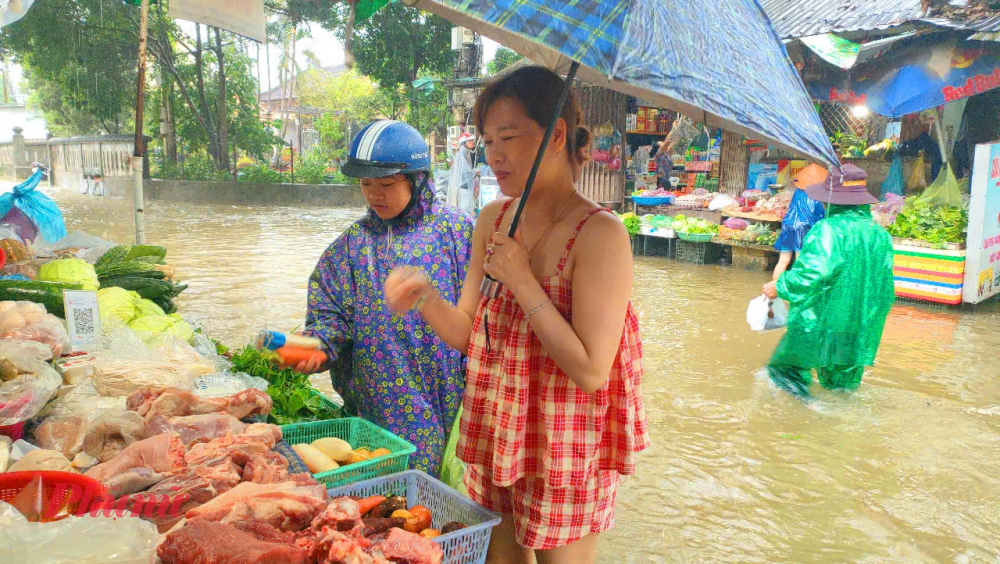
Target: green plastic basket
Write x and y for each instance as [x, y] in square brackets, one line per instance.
[360, 433]
[695, 237]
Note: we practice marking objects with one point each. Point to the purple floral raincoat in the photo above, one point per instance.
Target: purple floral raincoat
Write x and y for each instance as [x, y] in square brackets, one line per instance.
[392, 369]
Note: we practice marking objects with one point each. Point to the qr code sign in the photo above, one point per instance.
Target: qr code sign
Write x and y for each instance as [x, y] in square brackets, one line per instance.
[83, 318]
[83, 322]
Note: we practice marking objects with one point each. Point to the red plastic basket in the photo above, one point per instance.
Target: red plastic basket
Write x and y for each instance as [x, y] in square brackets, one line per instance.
[11, 484]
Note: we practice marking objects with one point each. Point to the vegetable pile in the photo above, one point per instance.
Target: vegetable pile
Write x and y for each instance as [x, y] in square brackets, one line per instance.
[631, 222]
[295, 400]
[923, 221]
[380, 513]
[694, 225]
[141, 269]
[330, 453]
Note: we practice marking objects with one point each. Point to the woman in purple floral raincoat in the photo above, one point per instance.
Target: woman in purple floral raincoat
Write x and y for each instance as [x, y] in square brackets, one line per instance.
[392, 369]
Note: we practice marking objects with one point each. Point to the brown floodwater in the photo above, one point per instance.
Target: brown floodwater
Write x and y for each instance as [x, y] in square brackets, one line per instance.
[903, 470]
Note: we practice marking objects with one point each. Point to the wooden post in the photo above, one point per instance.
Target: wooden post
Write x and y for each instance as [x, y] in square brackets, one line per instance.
[291, 159]
[140, 148]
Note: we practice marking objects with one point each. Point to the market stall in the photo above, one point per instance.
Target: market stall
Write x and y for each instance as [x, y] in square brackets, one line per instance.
[128, 436]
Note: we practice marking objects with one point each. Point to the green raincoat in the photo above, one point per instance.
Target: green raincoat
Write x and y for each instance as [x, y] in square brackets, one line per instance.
[840, 292]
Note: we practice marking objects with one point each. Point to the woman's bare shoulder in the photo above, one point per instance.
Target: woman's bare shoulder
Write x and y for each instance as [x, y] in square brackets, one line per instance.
[488, 215]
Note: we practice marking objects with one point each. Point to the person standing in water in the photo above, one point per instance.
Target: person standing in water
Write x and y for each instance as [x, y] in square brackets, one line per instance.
[803, 213]
[840, 291]
[462, 191]
[392, 369]
[553, 413]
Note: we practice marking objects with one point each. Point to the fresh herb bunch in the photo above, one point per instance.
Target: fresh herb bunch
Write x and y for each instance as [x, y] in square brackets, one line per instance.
[292, 395]
[632, 223]
[924, 221]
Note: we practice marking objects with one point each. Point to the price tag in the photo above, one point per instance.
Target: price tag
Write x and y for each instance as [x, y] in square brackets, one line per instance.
[83, 318]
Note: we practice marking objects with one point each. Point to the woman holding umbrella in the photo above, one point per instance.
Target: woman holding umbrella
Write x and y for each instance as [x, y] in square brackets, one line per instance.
[553, 411]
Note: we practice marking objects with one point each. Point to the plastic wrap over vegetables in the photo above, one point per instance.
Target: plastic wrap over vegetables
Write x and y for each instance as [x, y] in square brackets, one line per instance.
[735, 223]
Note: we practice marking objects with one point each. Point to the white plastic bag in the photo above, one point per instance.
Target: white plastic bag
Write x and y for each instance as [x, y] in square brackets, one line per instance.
[75, 540]
[721, 202]
[765, 315]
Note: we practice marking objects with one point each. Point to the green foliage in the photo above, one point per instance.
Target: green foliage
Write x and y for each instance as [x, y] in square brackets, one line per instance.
[194, 167]
[503, 58]
[261, 173]
[311, 170]
[395, 47]
[80, 61]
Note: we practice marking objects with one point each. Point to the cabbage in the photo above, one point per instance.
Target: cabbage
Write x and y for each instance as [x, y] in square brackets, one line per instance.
[156, 329]
[116, 304]
[147, 308]
[69, 271]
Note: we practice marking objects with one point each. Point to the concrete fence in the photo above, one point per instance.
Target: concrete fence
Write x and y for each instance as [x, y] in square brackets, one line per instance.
[241, 193]
[69, 158]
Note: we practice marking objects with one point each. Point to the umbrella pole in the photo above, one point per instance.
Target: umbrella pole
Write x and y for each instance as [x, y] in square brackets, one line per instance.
[490, 287]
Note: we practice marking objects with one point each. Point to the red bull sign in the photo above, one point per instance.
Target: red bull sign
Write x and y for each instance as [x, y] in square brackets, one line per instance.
[849, 97]
[976, 85]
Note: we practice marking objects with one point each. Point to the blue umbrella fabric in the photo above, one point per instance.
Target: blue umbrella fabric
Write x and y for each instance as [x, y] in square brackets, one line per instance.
[724, 66]
[918, 80]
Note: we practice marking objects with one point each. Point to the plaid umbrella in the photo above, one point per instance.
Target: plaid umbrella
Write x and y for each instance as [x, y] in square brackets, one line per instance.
[720, 63]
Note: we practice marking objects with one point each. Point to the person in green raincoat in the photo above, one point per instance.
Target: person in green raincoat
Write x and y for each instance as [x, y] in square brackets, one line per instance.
[840, 291]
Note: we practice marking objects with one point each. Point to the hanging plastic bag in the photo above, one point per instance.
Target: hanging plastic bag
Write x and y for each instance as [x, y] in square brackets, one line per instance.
[944, 191]
[36, 206]
[452, 468]
[918, 178]
[765, 315]
[894, 179]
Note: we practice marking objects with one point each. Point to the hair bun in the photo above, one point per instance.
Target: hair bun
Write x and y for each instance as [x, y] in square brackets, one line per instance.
[581, 143]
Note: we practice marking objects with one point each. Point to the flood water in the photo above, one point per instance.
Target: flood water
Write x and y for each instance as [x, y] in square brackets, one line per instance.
[903, 470]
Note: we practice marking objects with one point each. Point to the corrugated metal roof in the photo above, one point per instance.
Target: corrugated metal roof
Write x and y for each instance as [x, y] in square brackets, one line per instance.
[802, 18]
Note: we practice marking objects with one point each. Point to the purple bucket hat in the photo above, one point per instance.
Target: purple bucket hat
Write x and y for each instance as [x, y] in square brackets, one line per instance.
[847, 186]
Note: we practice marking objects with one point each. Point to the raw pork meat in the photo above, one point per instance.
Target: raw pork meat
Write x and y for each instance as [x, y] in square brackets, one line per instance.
[199, 484]
[342, 514]
[256, 439]
[133, 481]
[162, 453]
[195, 428]
[287, 506]
[206, 542]
[174, 402]
[402, 546]
[268, 468]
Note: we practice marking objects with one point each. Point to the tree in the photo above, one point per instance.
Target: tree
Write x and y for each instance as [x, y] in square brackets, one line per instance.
[81, 63]
[349, 98]
[395, 47]
[503, 58]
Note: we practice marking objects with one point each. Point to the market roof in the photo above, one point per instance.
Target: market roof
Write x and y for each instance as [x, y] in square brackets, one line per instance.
[802, 18]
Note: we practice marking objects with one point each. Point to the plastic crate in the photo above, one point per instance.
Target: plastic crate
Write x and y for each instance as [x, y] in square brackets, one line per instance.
[697, 253]
[695, 237]
[465, 546]
[360, 433]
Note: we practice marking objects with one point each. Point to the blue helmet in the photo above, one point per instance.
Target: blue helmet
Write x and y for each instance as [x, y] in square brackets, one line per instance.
[385, 148]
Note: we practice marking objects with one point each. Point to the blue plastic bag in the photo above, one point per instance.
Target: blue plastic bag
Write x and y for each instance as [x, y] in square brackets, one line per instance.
[38, 207]
[803, 213]
[894, 179]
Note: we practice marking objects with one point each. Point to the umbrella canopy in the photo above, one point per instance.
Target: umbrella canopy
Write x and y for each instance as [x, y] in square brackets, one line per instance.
[728, 69]
[917, 79]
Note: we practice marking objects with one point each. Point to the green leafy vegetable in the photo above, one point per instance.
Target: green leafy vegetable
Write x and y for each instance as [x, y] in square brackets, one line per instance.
[926, 222]
[294, 398]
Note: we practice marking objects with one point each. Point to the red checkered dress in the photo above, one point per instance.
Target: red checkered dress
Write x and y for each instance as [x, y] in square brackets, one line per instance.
[539, 447]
